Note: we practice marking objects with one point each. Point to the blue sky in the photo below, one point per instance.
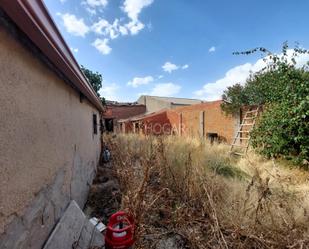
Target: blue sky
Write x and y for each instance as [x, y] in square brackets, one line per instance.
[180, 48]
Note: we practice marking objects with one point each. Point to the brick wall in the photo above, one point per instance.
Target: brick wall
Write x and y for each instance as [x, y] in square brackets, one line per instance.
[117, 112]
[165, 122]
[123, 111]
[202, 119]
[197, 121]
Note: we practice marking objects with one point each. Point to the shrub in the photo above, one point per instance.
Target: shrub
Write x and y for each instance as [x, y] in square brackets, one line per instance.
[283, 89]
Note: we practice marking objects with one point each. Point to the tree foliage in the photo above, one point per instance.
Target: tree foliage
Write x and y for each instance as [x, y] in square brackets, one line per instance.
[233, 98]
[283, 90]
[95, 79]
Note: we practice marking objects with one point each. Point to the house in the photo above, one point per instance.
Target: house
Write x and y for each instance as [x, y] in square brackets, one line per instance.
[49, 118]
[205, 120]
[155, 103]
[115, 111]
[151, 123]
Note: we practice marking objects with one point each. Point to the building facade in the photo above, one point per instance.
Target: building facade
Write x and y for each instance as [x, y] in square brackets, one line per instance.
[155, 103]
[49, 126]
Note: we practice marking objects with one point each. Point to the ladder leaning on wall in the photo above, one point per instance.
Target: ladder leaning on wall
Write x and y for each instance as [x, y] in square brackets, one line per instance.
[241, 142]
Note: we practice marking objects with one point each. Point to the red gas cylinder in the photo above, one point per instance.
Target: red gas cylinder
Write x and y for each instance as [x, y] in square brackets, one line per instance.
[119, 231]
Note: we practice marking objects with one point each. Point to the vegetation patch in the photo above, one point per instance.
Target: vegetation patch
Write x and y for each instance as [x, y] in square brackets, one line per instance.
[187, 191]
[282, 88]
[227, 170]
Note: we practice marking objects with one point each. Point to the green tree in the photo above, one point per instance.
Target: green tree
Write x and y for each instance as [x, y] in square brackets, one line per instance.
[95, 80]
[233, 98]
[283, 90]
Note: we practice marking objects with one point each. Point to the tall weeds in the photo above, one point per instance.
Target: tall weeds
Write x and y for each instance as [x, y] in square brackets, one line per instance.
[185, 187]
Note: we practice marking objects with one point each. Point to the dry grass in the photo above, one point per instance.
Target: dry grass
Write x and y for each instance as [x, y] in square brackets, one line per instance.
[181, 186]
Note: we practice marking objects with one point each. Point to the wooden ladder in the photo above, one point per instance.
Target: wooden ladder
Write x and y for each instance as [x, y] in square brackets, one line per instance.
[242, 139]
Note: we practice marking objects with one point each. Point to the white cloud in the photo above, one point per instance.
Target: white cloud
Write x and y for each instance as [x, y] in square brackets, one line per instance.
[185, 66]
[91, 11]
[165, 89]
[137, 81]
[133, 8]
[100, 26]
[103, 27]
[74, 49]
[160, 77]
[238, 74]
[62, 1]
[102, 46]
[96, 3]
[135, 27]
[109, 31]
[92, 5]
[169, 67]
[109, 91]
[212, 49]
[73, 25]
[123, 30]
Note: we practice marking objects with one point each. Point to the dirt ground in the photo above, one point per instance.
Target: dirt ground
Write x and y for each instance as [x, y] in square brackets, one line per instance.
[104, 197]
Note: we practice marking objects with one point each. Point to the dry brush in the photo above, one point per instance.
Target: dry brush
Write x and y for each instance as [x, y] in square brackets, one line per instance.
[185, 187]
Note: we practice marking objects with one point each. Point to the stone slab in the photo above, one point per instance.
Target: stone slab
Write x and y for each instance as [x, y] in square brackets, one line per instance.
[74, 230]
[90, 237]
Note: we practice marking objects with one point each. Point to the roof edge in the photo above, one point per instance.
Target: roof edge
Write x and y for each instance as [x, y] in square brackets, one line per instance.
[33, 18]
[161, 97]
[145, 115]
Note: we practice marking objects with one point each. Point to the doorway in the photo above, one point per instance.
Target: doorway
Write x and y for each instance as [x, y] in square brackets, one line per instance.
[109, 124]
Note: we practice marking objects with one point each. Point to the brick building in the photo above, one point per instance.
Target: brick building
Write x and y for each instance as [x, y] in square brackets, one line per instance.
[116, 111]
[201, 120]
[146, 104]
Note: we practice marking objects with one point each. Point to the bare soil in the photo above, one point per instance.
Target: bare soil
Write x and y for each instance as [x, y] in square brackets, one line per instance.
[104, 197]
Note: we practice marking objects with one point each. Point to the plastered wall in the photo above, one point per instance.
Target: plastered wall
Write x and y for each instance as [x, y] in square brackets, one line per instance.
[48, 152]
[154, 105]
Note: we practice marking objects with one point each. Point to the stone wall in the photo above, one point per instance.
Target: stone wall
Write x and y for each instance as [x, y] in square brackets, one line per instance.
[48, 151]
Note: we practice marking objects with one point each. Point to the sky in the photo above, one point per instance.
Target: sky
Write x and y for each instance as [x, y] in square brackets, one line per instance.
[179, 48]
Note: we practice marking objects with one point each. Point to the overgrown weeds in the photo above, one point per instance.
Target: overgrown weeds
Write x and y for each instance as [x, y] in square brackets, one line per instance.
[185, 187]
